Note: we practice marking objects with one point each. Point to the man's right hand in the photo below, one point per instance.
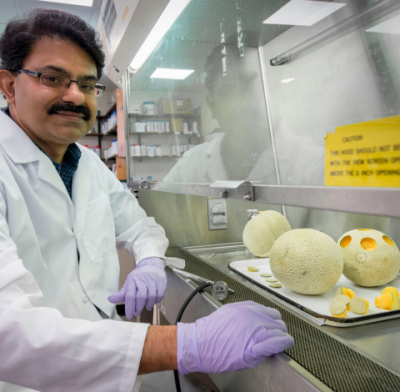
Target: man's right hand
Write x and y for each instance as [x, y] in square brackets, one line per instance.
[235, 337]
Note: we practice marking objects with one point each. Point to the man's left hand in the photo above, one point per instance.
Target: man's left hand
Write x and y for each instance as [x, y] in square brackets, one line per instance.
[145, 285]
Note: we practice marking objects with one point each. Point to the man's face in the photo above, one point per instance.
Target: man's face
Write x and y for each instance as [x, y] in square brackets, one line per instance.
[34, 102]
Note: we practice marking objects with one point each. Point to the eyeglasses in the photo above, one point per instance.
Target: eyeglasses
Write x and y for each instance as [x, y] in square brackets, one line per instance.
[62, 82]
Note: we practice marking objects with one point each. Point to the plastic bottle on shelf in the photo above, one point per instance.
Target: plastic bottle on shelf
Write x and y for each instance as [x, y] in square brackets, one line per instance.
[158, 151]
[97, 151]
[195, 127]
[91, 149]
[143, 150]
[132, 150]
[166, 125]
[185, 127]
[137, 150]
[86, 145]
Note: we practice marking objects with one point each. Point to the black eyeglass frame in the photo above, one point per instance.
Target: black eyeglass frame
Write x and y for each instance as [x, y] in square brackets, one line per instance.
[99, 86]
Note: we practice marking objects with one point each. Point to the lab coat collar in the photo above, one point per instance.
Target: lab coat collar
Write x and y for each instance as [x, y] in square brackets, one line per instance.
[15, 142]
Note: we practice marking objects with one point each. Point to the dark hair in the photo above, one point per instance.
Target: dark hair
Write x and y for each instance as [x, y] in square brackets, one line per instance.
[21, 34]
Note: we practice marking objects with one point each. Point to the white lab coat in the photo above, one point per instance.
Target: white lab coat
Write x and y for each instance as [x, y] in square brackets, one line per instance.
[51, 336]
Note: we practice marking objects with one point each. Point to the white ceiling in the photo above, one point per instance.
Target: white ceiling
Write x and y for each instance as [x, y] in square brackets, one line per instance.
[12, 8]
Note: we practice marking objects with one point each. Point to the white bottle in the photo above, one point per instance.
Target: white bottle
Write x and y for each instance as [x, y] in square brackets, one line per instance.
[195, 127]
[132, 150]
[167, 126]
[143, 150]
[185, 127]
[158, 151]
[137, 150]
[97, 151]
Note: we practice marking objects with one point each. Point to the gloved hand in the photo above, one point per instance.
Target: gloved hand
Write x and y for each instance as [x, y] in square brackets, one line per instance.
[145, 285]
[235, 337]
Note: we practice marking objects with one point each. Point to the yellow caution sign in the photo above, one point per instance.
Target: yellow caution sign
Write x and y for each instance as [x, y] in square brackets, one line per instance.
[364, 154]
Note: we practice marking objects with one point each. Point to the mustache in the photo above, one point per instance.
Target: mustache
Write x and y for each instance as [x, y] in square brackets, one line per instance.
[65, 107]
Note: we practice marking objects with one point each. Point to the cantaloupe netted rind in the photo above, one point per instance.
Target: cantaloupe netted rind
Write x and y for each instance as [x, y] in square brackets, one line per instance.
[261, 232]
[338, 309]
[359, 305]
[370, 257]
[306, 261]
[342, 298]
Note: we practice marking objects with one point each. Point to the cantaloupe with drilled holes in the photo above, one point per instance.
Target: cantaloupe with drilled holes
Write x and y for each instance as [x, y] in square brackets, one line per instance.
[306, 261]
[371, 258]
[261, 232]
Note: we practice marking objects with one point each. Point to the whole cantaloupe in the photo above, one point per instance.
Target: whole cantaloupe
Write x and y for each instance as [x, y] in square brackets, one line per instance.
[370, 257]
[261, 232]
[306, 261]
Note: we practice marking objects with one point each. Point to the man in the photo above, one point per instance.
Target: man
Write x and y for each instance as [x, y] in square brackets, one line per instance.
[62, 214]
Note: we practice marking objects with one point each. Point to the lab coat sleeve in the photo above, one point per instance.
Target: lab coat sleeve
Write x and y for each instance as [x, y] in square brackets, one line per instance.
[137, 233]
[42, 350]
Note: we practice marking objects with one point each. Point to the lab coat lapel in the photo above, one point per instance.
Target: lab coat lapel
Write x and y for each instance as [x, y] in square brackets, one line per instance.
[80, 194]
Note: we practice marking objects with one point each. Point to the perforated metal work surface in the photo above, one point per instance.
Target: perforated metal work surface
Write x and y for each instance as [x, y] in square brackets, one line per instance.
[334, 363]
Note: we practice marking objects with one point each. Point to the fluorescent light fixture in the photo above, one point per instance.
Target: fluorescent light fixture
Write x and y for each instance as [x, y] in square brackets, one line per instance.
[166, 20]
[86, 3]
[389, 26]
[303, 12]
[288, 80]
[171, 73]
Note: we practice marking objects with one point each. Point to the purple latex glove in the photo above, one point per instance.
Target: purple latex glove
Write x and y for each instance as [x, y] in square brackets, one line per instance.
[235, 337]
[145, 285]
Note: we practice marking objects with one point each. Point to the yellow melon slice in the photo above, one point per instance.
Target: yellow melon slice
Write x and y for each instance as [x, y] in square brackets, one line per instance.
[370, 257]
[346, 291]
[390, 290]
[359, 306]
[261, 232]
[384, 301]
[338, 309]
[306, 261]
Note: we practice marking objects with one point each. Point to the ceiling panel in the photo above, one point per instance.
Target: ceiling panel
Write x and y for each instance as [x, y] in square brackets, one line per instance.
[206, 20]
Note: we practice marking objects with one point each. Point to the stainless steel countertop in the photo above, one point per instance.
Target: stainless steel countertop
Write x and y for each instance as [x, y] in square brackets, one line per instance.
[379, 342]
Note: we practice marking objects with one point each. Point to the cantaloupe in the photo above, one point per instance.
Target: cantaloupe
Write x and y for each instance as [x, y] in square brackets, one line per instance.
[359, 306]
[370, 257]
[306, 261]
[338, 309]
[261, 232]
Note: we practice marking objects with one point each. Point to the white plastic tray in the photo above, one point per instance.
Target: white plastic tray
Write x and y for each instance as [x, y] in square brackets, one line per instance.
[318, 305]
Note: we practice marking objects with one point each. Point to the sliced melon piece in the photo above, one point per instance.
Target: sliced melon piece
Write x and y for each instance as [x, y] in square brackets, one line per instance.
[306, 261]
[345, 291]
[275, 285]
[338, 309]
[271, 280]
[261, 232]
[384, 301]
[359, 305]
[390, 290]
[343, 298]
[266, 275]
[252, 269]
[371, 258]
[395, 304]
